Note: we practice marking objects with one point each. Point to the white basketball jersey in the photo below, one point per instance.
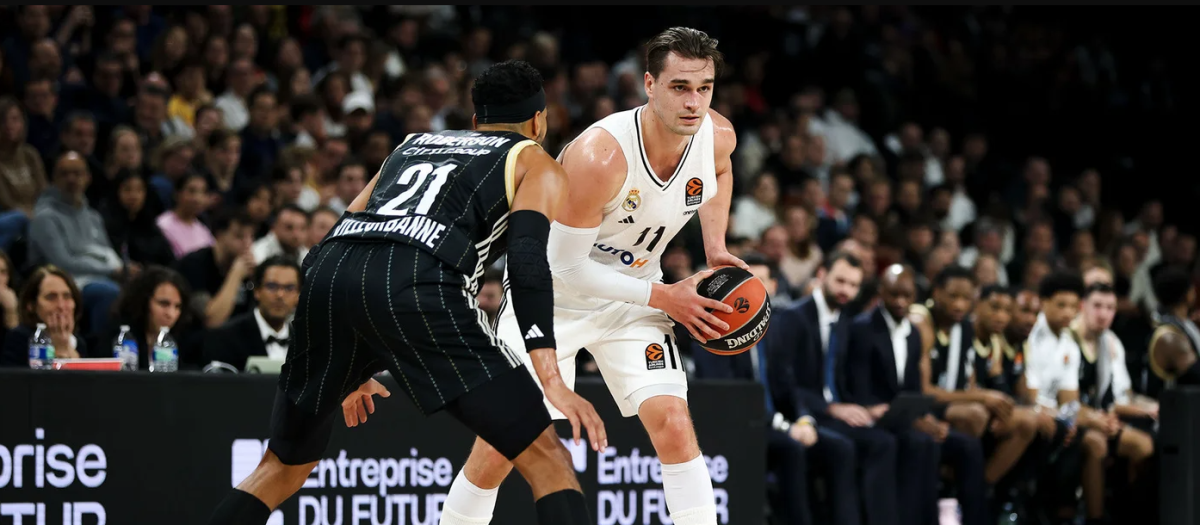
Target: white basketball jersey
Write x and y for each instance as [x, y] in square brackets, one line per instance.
[643, 217]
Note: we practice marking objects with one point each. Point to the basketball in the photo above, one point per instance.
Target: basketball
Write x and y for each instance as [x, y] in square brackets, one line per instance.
[751, 309]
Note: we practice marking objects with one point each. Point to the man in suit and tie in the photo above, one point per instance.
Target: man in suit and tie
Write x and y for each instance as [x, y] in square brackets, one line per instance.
[264, 331]
[793, 438]
[808, 343]
[883, 359]
[886, 358]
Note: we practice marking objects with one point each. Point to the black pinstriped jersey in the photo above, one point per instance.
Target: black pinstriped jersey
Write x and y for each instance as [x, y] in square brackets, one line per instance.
[447, 193]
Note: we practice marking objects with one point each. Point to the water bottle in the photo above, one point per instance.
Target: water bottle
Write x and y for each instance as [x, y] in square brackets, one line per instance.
[125, 348]
[41, 349]
[165, 357]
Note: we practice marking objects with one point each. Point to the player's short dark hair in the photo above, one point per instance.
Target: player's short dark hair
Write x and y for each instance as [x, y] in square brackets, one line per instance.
[1059, 282]
[227, 218]
[1100, 288]
[260, 271]
[685, 42]
[952, 271]
[1171, 286]
[994, 289]
[847, 257]
[508, 82]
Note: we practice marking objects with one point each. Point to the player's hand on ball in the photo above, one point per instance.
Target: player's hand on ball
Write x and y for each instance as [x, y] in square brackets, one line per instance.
[724, 258]
[685, 306]
[359, 403]
[579, 412]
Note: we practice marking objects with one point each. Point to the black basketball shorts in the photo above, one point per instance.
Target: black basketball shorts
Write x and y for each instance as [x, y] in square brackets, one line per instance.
[373, 306]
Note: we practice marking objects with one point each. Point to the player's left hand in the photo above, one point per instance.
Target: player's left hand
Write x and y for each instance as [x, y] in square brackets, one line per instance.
[359, 403]
[724, 258]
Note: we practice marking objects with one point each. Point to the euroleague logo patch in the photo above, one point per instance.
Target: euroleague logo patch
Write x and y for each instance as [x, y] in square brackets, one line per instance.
[741, 305]
[654, 357]
[695, 192]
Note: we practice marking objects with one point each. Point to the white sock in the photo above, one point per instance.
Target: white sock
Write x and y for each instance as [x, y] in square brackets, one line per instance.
[467, 504]
[689, 493]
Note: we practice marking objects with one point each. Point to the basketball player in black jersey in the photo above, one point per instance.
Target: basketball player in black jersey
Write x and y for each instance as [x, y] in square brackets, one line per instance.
[1025, 308]
[1175, 344]
[1005, 442]
[392, 287]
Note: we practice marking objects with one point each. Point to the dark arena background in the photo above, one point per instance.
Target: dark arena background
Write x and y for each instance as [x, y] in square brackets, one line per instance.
[157, 164]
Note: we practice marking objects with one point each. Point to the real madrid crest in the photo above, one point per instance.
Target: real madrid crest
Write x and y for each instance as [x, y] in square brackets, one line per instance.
[632, 201]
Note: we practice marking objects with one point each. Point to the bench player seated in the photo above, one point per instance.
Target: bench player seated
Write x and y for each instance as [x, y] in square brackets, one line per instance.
[1052, 362]
[1007, 440]
[1105, 388]
[961, 371]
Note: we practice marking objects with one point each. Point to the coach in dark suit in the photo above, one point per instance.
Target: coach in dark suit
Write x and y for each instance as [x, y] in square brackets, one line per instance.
[793, 439]
[806, 341]
[263, 331]
[883, 360]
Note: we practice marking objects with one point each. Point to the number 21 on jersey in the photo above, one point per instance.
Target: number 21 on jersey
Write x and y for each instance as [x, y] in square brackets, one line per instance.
[402, 204]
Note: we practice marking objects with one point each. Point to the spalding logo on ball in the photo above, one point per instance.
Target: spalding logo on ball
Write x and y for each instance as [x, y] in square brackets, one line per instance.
[751, 309]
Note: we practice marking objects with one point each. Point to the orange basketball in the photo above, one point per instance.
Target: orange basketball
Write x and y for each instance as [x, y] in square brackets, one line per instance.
[751, 309]
[695, 187]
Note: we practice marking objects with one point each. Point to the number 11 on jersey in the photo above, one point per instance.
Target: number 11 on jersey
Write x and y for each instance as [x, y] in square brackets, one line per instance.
[654, 242]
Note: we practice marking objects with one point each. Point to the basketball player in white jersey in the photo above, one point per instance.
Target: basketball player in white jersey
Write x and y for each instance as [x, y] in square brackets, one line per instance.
[636, 178]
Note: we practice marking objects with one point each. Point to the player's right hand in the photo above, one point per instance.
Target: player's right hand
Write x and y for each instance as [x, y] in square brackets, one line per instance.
[579, 412]
[685, 306]
[359, 403]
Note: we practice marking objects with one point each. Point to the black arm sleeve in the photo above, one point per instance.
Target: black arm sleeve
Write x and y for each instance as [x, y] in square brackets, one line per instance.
[529, 278]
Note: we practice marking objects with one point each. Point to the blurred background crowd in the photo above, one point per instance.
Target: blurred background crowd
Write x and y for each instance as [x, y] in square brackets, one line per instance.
[171, 166]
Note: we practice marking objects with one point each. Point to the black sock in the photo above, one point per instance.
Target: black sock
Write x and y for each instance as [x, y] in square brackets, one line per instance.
[240, 508]
[565, 507]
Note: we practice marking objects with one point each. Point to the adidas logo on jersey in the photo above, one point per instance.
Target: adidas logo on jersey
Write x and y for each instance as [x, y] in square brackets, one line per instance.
[533, 333]
[627, 220]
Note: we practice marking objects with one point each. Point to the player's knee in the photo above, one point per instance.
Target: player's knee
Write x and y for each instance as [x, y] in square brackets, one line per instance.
[274, 472]
[1141, 446]
[975, 418]
[486, 467]
[547, 448]
[669, 424]
[1095, 446]
[1025, 425]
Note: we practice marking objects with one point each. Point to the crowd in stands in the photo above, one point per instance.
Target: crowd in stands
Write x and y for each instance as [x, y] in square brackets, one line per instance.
[172, 166]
